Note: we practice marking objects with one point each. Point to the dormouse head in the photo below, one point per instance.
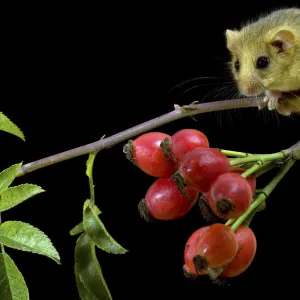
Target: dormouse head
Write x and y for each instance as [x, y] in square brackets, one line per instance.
[260, 57]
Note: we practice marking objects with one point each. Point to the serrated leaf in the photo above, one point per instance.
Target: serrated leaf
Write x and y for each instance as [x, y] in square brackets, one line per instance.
[8, 126]
[13, 196]
[79, 227]
[98, 233]
[23, 236]
[82, 290]
[8, 175]
[89, 269]
[12, 283]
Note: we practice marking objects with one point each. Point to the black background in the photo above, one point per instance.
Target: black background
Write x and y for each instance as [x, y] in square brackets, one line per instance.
[72, 74]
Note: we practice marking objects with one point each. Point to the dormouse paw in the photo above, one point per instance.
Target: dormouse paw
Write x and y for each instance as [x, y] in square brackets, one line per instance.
[272, 103]
[271, 99]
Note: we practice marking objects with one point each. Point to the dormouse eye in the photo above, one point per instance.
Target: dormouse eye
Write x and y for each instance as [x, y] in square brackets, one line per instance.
[262, 62]
[237, 64]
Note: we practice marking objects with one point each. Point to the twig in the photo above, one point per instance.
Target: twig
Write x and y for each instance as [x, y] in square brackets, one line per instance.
[176, 114]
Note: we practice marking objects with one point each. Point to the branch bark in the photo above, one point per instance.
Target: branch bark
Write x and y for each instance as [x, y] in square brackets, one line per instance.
[176, 114]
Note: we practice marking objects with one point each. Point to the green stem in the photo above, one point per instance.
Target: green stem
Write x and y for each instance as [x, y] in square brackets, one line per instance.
[268, 166]
[252, 207]
[249, 218]
[230, 221]
[253, 169]
[235, 153]
[92, 190]
[89, 173]
[259, 157]
[264, 194]
[271, 186]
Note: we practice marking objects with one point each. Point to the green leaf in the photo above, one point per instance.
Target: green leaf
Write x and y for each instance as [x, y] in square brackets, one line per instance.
[25, 237]
[17, 194]
[8, 175]
[79, 227]
[8, 126]
[12, 283]
[82, 290]
[98, 233]
[89, 270]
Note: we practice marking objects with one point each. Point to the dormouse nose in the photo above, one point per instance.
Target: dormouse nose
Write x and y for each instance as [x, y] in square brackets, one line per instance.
[246, 88]
[250, 89]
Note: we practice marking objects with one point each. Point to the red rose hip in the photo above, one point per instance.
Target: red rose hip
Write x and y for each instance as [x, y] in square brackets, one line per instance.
[251, 178]
[200, 167]
[247, 245]
[230, 196]
[163, 201]
[186, 140]
[189, 252]
[146, 153]
[216, 247]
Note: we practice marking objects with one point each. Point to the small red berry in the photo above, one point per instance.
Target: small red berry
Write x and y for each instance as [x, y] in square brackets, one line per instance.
[146, 153]
[251, 178]
[247, 245]
[200, 167]
[163, 201]
[186, 140]
[230, 196]
[189, 251]
[216, 247]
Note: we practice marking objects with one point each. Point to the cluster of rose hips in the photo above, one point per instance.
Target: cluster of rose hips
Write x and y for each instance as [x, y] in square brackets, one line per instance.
[185, 167]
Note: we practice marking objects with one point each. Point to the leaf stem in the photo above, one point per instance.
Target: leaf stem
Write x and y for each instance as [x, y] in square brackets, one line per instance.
[176, 114]
[235, 153]
[265, 193]
[230, 221]
[92, 190]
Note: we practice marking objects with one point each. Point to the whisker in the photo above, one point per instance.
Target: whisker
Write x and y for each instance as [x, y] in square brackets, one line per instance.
[291, 102]
[295, 95]
[229, 92]
[195, 87]
[216, 92]
[192, 80]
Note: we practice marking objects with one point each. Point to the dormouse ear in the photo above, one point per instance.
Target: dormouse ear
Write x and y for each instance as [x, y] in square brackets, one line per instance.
[232, 37]
[283, 40]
